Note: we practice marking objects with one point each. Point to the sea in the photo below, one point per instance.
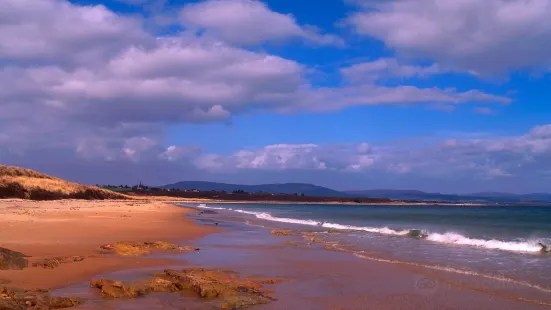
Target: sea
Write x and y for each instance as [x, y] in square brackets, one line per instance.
[505, 244]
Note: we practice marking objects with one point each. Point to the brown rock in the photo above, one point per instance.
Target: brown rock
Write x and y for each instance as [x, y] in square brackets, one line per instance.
[226, 287]
[160, 285]
[52, 263]
[15, 299]
[243, 301]
[12, 260]
[126, 248]
[293, 243]
[266, 280]
[10, 305]
[188, 248]
[282, 232]
[64, 302]
[110, 288]
[312, 238]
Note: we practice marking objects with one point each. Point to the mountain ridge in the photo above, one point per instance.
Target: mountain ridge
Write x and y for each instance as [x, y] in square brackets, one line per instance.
[484, 197]
[395, 194]
[276, 188]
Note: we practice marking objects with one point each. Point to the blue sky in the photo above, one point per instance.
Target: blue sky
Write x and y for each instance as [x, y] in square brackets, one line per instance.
[436, 95]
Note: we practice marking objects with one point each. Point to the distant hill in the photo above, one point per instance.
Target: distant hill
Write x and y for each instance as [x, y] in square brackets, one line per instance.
[16, 182]
[286, 188]
[403, 195]
[482, 197]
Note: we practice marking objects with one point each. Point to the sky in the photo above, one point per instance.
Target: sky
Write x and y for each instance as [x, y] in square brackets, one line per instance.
[435, 95]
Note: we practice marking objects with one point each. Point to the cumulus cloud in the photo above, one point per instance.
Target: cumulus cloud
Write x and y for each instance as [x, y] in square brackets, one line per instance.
[177, 81]
[387, 68]
[57, 31]
[181, 79]
[486, 37]
[364, 94]
[175, 153]
[285, 157]
[522, 159]
[483, 158]
[84, 84]
[249, 22]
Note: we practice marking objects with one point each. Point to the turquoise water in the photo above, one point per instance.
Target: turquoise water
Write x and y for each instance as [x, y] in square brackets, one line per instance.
[497, 242]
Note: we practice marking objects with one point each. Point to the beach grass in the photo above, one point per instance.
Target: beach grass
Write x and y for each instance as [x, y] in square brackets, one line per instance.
[17, 182]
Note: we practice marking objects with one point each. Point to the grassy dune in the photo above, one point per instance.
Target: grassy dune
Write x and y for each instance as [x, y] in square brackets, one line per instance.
[16, 182]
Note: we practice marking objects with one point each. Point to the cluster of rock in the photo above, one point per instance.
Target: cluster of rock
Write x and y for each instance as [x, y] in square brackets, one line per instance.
[18, 299]
[225, 288]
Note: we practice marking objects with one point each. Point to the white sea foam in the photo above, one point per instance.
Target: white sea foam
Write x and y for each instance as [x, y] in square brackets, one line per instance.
[204, 206]
[529, 246]
[247, 212]
[378, 230]
[455, 238]
[269, 217]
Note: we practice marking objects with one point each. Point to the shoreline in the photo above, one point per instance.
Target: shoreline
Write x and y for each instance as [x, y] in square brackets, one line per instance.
[47, 229]
[169, 199]
[346, 203]
[290, 228]
[348, 274]
[43, 229]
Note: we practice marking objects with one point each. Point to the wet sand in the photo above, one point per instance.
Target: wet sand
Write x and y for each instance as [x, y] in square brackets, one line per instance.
[318, 278]
[78, 228]
[324, 279]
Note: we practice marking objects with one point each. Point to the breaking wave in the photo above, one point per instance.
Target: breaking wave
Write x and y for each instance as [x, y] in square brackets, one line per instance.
[528, 246]
[204, 206]
[458, 239]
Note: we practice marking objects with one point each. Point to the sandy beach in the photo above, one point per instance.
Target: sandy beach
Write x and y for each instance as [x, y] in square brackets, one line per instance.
[43, 229]
[319, 276]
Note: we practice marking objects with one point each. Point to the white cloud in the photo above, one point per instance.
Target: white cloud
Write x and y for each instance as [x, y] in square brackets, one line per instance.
[448, 159]
[293, 157]
[179, 80]
[332, 99]
[542, 132]
[175, 153]
[122, 142]
[386, 68]
[522, 160]
[249, 22]
[89, 80]
[486, 37]
[63, 33]
[192, 80]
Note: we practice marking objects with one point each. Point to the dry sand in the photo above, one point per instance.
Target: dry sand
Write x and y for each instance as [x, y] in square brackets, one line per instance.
[43, 229]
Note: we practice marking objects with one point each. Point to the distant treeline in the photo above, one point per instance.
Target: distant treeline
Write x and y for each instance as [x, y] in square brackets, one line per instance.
[142, 188]
[240, 195]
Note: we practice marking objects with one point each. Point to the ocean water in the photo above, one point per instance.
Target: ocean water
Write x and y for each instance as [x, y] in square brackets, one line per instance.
[501, 243]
